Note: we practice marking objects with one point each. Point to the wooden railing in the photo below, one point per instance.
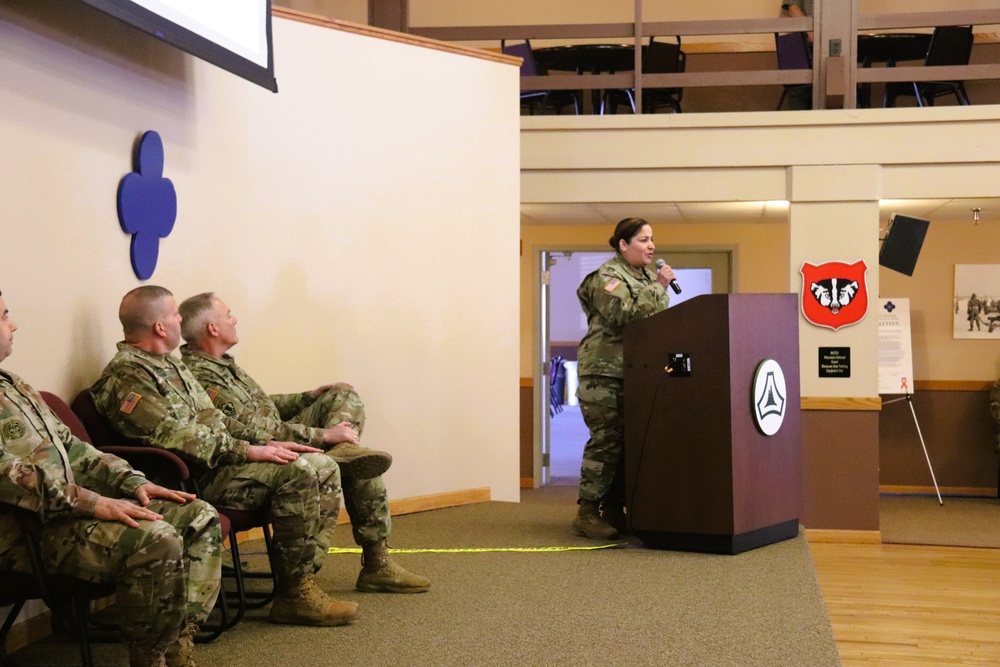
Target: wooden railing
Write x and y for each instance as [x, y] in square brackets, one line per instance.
[924, 20]
[639, 31]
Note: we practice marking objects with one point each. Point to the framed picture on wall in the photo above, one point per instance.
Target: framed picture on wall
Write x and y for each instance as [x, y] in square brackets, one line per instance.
[977, 301]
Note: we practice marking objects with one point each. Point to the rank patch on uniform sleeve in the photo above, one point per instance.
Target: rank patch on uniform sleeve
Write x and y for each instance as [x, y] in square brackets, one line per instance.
[212, 393]
[610, 287]
[128, 405]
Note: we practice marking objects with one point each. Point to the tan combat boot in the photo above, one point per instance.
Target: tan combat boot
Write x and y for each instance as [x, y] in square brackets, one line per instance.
[181, 652]
[588, 522]
[301, 602]
[359, 462]
[144, 657]
[380, 574]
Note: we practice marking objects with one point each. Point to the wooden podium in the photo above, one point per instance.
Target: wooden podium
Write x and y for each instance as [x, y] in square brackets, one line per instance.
[700, 475]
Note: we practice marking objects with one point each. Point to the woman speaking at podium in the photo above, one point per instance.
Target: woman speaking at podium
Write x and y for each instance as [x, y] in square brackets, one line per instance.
[622, 290]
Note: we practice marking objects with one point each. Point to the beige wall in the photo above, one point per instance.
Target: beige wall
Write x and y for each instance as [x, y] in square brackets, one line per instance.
[354, 239]
[936, 355]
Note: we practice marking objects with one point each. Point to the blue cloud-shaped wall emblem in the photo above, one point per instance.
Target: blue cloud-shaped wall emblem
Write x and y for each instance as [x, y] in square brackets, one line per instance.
[147, 204]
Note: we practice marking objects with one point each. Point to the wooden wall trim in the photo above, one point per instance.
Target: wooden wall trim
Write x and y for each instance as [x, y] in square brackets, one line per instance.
[389, 35]
[817, 535]
[436, 501]
[945, 490]
[854, 403]
[952, 385]
[527, 483]
[527, 382]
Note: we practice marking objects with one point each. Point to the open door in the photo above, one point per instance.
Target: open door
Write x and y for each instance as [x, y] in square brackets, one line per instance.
[542, 390]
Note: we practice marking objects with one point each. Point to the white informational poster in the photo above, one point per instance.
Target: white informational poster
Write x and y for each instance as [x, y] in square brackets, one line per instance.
[895, 353]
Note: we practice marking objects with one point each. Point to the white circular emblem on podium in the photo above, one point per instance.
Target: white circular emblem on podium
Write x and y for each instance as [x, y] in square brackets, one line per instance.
[768, 397]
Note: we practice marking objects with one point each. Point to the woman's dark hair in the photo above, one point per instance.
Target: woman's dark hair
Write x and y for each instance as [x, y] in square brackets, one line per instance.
[626, 230]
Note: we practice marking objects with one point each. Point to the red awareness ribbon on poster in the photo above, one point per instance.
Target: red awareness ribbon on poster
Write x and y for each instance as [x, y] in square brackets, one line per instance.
[903, 385]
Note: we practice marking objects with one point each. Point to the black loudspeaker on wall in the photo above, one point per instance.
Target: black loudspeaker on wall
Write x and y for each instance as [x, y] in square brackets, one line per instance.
[902, 243]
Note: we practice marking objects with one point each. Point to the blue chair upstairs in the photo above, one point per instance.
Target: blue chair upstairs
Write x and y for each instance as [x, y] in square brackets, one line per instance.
[794, 52]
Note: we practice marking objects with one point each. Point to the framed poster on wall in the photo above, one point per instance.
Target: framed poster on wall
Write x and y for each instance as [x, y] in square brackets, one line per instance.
[977, 301]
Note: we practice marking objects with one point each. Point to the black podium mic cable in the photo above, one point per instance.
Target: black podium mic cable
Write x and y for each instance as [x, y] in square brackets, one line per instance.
[642, 447]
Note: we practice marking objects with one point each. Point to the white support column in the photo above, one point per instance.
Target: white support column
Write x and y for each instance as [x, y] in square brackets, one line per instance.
[834, 216]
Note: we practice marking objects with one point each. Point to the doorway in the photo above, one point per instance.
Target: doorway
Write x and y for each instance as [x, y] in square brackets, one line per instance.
[562, 433]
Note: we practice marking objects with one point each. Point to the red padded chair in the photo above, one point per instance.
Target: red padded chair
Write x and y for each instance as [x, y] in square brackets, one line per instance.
[159, 465]
[233, 521]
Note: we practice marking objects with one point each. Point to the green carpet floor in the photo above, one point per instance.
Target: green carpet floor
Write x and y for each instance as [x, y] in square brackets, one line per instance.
[621, 606]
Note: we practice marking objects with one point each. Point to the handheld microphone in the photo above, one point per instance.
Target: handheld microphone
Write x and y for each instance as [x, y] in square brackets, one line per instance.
[673, 283]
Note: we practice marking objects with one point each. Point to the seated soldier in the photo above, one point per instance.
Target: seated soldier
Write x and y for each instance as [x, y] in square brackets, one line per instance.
[331, 417]
[148, 395]
[102, 521]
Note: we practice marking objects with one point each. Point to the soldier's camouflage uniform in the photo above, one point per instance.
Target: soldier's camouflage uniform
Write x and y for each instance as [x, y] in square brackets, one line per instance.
[613, 296]
[995, 408]
[155, 400]
[166, 572]
[253, 415]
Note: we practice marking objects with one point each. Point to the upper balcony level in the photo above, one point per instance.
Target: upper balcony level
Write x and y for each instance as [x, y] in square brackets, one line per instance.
[730, 62]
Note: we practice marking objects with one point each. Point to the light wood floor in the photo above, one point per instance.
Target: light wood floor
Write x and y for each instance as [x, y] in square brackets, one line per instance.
[911, 605]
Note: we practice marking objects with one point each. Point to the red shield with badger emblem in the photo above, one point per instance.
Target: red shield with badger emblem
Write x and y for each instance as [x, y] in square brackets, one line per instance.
[834, 294]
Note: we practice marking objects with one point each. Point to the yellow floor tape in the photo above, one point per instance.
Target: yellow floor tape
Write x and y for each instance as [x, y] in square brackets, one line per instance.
[479, 550]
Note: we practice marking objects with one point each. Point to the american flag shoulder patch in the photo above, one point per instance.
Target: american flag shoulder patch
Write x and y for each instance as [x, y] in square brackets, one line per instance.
[212, 393]
[610, 287]
[128, 405]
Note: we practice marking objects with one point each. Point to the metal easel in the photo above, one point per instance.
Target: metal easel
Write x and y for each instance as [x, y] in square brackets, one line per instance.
[909, 401]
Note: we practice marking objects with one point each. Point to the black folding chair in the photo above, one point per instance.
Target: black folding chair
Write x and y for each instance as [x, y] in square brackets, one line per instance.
[950, 45]
[540, 99]
[68, 598]
[658, 58]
